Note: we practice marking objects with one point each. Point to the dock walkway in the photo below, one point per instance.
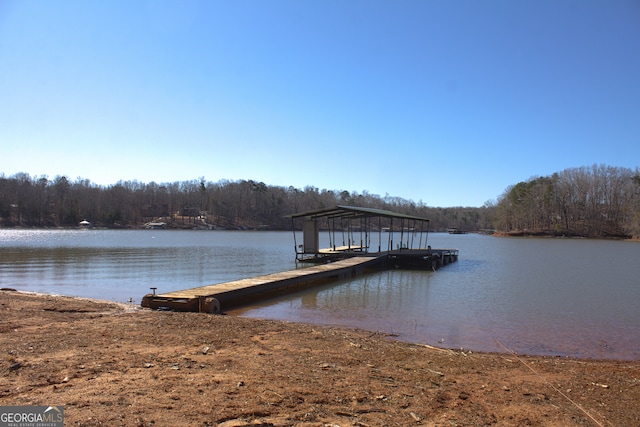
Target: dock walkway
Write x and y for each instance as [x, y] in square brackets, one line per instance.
[211, 298]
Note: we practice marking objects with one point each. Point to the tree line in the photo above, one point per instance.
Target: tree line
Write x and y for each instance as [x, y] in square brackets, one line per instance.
[37, 201]
[598, 201]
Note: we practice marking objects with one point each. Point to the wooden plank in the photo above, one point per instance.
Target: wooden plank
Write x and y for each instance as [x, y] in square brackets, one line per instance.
[299, 275]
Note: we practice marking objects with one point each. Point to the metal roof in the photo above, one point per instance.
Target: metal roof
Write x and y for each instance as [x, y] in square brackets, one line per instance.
[354, 212]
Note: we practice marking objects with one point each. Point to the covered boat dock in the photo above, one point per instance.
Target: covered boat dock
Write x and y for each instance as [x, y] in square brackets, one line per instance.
[349, 254]
[401, 238]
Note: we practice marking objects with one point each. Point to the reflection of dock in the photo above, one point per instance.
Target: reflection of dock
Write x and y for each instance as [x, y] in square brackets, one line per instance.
[349, 259]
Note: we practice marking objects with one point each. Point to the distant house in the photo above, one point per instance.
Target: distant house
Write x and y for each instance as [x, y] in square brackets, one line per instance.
[156, 225]
[85, 224]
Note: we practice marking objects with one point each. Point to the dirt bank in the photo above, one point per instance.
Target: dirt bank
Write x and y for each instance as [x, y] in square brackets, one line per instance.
[109, 365]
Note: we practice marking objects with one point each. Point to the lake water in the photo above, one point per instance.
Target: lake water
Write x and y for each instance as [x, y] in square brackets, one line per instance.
[565, 297]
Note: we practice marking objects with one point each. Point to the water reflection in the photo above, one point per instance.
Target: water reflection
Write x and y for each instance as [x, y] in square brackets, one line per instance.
[537, 296]
[119, 265]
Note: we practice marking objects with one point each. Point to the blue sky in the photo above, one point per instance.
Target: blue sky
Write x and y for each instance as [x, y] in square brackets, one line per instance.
[443, 102]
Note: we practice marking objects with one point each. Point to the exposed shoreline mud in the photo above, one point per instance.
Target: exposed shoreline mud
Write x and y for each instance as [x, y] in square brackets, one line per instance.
[116, 364]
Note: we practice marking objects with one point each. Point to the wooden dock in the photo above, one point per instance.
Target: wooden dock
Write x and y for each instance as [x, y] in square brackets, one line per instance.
[212, 298]
[339, 261]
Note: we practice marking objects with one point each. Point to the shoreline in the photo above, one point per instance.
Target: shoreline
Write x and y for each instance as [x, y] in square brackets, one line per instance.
[112, 366]
[132, 308]
[515, 234]
[127, 307]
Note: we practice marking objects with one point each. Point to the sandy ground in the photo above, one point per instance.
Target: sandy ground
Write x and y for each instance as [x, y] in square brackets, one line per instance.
[112, 365]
